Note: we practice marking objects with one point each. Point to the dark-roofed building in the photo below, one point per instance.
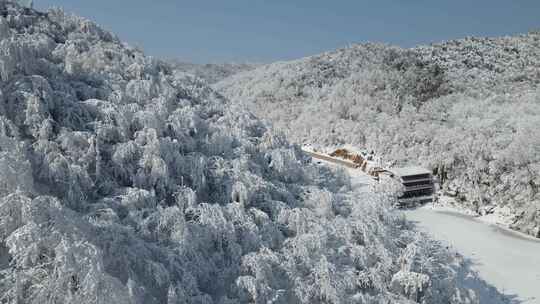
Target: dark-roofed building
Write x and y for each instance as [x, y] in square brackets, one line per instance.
[418, 185]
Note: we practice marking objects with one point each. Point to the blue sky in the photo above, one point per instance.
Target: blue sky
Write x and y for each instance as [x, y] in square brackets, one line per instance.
[264, 31]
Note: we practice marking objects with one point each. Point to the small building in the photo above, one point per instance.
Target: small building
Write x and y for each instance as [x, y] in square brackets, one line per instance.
[418, 185]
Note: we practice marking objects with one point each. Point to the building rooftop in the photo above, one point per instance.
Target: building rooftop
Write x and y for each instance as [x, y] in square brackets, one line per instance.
[406, 171]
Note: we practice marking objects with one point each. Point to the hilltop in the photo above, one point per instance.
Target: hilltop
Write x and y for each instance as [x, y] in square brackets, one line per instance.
[467, 109]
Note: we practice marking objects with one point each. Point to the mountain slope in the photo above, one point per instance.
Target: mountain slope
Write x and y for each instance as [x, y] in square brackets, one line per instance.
[468, 109]
[124, 182]
[212, 72]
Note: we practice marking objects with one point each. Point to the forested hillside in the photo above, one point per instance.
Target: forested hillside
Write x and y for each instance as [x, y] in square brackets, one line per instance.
[212, 72]
[468, 109]
[122, 181]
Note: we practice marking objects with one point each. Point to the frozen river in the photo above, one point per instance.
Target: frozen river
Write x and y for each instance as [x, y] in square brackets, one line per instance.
[506, 260]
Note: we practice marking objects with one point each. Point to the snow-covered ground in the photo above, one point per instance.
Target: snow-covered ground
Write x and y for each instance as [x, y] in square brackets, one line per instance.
[506, 259]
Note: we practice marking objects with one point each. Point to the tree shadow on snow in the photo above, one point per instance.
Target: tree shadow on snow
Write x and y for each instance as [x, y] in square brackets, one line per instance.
[468, 278]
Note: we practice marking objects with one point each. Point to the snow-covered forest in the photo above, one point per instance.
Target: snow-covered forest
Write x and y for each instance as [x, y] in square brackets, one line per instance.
[123, 180]
[468, 109]
[212, 72]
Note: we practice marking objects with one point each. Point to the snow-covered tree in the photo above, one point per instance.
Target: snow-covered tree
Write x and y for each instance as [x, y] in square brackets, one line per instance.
[123, 181]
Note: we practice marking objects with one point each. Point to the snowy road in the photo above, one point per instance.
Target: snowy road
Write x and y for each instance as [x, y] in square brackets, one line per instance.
[508, 261]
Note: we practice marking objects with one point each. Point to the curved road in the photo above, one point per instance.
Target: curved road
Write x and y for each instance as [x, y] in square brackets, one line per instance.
[507, 260]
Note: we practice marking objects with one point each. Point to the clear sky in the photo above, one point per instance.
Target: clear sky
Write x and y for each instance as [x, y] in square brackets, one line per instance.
[269, 30]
